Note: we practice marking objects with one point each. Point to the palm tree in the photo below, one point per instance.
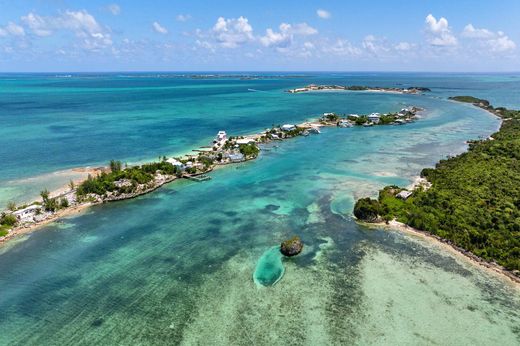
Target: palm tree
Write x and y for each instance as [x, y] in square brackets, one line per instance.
[11, 206]
[45, 195]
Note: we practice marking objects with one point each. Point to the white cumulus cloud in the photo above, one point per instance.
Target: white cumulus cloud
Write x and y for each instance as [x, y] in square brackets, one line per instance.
[439, 32]
[231, 33]
[471, 32]
[323, 14]
[341, 47]
[496, 41]
[12, 29]
[159, 28]
[38, 25]
[501, 43]
[285, 36]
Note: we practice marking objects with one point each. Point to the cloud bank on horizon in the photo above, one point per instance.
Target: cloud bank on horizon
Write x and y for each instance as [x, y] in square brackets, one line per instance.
[112, 36]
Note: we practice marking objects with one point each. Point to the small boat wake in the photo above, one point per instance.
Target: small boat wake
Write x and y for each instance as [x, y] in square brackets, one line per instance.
[256, 90]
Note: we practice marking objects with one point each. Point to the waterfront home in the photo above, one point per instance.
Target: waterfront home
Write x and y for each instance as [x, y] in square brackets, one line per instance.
[374, 117]
[236, 157]
[325, 115]
[344, 123]
[221, 137]
[288, 127]
[27, 214]
[353, 116]
[404, 194]
[174, 162]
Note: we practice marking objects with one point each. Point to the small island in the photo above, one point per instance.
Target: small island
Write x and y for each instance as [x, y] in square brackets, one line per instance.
[470, 201]
[314, 87]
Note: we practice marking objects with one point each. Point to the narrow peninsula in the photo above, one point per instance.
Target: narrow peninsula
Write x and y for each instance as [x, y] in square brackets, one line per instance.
[314, 87]
[119, 181]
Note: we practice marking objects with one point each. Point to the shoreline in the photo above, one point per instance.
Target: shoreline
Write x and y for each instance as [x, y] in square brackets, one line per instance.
[446, 245]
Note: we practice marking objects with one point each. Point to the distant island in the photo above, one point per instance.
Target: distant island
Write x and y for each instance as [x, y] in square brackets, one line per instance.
[119, 181]
[313, 87]
[470, 201]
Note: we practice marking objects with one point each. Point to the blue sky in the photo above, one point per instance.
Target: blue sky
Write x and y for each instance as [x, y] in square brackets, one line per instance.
[414, 35]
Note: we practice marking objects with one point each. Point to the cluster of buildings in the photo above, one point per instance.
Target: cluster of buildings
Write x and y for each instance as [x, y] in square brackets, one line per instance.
[405, 115]
[37, 213]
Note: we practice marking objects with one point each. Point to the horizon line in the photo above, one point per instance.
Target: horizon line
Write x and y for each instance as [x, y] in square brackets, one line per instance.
[257, 71]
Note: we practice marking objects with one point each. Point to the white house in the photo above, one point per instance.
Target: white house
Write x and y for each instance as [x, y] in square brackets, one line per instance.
[353, 116]
[221, 136]
[174, 162]
[404, 194]
[27, 214]
[344, 123]
[374, 117]
[236, 157]
[288, 127]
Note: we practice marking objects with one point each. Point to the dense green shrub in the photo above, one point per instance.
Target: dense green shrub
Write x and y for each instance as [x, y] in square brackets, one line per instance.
[249, 150]
[8, 220]
[474, 200]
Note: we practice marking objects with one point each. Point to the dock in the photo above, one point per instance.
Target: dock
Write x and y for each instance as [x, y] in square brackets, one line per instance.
[198, 178]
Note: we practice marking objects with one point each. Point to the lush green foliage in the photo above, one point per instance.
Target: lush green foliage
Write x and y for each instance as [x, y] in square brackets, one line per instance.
[8, 220]
[331, 117]
[4, 230]
[249, 150]
[49, 204]
[207, 161]
[357, 88]
[387, 119]
[470, 99]
[295, 132]
[359, 120]
[115, 166]
[135, 175]
[474, 200]
[367, 209]
[11, 206]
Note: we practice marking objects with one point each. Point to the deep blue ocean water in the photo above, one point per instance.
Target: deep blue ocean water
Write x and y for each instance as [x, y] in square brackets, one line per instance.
[175, 266]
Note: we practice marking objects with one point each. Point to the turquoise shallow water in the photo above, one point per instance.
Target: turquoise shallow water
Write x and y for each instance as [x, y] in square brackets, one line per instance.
[51, 123]
[176, 266]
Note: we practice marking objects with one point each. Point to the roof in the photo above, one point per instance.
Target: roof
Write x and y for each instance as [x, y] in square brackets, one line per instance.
[404, 194]
[27, 209]
[238, 156]
[174, 162]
